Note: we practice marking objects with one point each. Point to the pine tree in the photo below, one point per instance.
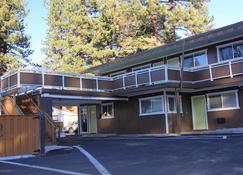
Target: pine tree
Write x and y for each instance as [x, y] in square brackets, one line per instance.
[83, 33]
[14, 43]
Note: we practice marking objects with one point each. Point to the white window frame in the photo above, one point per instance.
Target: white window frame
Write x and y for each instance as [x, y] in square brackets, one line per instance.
[225, 45]
[150, 98]
[173, 112]
[105, 117]
[146, 66]
[163, 103]
[223, 108]
[118, 73]
[197, 52]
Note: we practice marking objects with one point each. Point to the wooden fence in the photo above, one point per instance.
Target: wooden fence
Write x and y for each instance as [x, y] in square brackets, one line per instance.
[19, 135]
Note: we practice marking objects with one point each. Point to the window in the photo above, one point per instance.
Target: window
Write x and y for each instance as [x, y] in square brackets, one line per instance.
[155, 105]
[195, 59]
[223, 101]
[117, 73]
[158, 63]
[230, 51]
[151, 105]
[173, 61]
[141, 67]
[107, 110]
[171, 104]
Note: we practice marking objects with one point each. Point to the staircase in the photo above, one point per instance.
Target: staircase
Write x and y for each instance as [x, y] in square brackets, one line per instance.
[9, 106]
[29, 106]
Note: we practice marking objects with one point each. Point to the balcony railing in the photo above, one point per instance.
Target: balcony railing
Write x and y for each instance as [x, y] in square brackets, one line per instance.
[30, 80]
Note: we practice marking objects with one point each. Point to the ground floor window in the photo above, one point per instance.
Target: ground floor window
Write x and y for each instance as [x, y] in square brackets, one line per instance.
[171, 104]
[151, 105]
[107, 110]
[155, 105]
[223, 100]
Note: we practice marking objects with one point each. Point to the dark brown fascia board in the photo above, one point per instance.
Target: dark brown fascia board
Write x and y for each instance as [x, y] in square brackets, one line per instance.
[226, 33]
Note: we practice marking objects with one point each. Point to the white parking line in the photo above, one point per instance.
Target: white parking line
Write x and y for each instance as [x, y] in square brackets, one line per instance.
[43, 168]
[16, 157]
[96, 163]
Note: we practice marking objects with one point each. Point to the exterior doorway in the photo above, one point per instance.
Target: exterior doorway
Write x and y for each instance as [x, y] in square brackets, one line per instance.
[87, 119]
[199, 113]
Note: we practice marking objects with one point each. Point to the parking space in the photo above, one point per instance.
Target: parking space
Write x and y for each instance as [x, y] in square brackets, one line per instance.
[55, 162]
[188, 155]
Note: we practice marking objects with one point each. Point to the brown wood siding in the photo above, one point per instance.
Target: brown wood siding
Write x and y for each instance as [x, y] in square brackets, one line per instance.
[118, 83]
[157, 75]
[201, 75]
[5, 83]
[143, 78]
[53, 80]
[30, 78]
[220, 71]
[105, 85]
[173, 75]
[188, 76]
[237, 68]
[88, 83]
[72, 82]
[130, 80]
[18, 135]
[13, 80]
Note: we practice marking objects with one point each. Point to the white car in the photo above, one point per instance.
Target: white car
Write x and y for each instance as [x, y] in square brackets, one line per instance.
[71, 128]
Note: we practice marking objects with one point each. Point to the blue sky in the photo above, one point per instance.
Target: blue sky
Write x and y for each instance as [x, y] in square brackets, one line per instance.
[225, 12]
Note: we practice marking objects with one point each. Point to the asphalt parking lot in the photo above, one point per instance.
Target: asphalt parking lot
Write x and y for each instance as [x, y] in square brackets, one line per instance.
[186, 155]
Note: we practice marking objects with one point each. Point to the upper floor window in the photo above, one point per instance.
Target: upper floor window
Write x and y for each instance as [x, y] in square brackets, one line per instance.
[230, 51]
[117, 73]
[195, 59]
[223, 101]
[158, 63]
[141, 67]
[173, 61]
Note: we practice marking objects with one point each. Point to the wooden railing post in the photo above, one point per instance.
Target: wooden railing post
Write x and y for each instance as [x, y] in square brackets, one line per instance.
[42, 132]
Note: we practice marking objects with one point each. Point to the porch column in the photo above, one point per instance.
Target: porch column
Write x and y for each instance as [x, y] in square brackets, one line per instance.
[166, 113]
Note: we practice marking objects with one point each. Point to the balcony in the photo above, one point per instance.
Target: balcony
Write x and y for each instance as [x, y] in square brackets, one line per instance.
[25, 80]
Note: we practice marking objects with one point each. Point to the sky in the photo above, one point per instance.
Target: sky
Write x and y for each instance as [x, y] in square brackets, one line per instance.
[225, 12]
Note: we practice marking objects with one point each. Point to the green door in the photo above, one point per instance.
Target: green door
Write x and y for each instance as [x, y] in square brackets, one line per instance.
[199, 113]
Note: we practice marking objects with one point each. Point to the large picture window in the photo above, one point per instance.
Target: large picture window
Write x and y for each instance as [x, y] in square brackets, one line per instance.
[155, 105]
[107, 110]
[151, 105]
[230, 51]
[195, 59]
[223, 101]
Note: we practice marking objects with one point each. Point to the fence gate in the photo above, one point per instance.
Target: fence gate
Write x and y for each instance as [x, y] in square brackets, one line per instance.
[19, 135]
